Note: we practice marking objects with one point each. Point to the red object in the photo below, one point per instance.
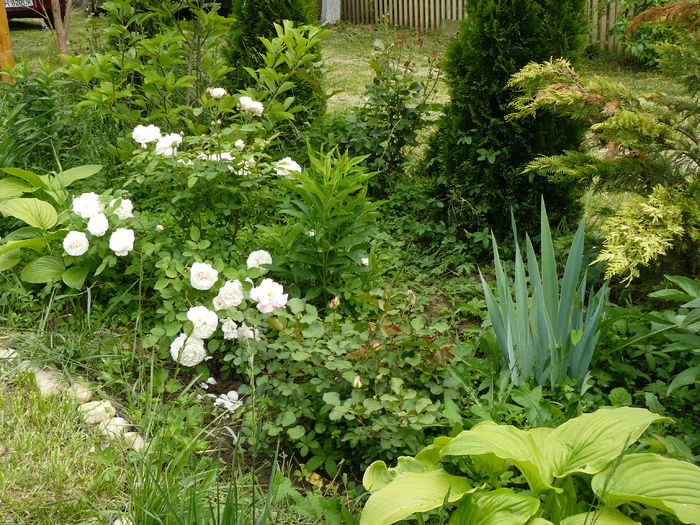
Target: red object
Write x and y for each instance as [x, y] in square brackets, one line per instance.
[30, 8]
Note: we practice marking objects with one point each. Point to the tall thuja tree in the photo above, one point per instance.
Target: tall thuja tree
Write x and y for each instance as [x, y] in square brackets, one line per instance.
[476, 157]
[256, 18]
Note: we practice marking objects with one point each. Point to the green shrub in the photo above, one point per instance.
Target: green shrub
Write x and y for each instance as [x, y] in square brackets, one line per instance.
[255, 19]
[475, 157]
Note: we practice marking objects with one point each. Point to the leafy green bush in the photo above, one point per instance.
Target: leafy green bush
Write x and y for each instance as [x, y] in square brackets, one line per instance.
[394, 111]
[475, 157]
[332, 221]
[543, 333]
[256, 19]
[591, 446]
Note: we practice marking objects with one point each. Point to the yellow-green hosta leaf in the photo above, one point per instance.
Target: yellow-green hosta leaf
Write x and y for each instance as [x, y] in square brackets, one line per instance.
[378, 475]
[34, 212]
[75, 276]
[32, 178]
[12, 187]
[498, 507]
[509, 443]
[604, 517]
[9, 260]
[667, 484]
[68, 177]
[43, 270]
[412, 492]
[36, 244]
[589, 442]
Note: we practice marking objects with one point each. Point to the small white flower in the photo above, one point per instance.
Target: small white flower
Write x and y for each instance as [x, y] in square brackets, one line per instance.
[211, 381]
[159, 227]
[87, 205]
[224, 155]
[311, 233]
[203, 276]
[145, 134]
[188, 351]
[229, 401]
[205, 384]
[286, 166]
[269, 296]
[365, 261]
[121, 242]
[250, 106]
[231, 294]
[230, 329]
[125, 210]
[257, 258]
[167, 144]
[204, 320]
[240, 145]
[98, 225]
[216, 92]
[75, 243]
[248, 332]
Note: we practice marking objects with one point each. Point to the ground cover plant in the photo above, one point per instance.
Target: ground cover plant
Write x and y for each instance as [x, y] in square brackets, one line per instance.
[278, 293]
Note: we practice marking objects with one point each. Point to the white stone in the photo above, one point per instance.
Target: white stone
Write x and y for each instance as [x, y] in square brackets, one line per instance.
[81, 392]
[97, 411]
[134, 440]
[7, 353]
[49, 382]
[114, 427]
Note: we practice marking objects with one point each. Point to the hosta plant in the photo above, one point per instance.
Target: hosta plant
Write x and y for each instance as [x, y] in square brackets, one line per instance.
[591, 446]
[543, 325]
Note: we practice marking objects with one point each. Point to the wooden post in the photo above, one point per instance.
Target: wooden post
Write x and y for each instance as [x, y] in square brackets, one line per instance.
[7, 59]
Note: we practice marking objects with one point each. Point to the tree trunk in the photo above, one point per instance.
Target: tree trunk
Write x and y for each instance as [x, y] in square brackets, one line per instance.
[61, 24]
[330, 11]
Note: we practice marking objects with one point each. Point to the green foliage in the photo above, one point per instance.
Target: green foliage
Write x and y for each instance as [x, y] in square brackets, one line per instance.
[475, 158]
[255, 20]
[332, 221]
[544, 333]
[641, 43]
[394, 111]
[647, 145]
[591, 446]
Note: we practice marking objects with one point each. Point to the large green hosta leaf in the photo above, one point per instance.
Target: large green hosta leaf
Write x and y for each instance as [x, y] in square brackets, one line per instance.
[43, 270]
[589, 442]
[34, 212]
[498, 507]
[604, 517]
[411, 492]
[509, 443]
[650, 479]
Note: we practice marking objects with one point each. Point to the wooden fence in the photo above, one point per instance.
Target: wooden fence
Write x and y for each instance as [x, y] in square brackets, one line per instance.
[426, 15]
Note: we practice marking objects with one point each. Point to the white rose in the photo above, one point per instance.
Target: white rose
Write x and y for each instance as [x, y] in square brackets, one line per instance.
[76, 243]
[188, 351]
[167, 144]
[218, 303]
[98, 225]
[216, 92]
[231, 294]
[239, 144]
[125, 210]
[248, 332]
[87, 205]
[121, 242]
[224, 155]
[145, 134]
[204, 320]
[258, 257]
[250, 106]
[286, 166]
[230, 329]
[203, 276]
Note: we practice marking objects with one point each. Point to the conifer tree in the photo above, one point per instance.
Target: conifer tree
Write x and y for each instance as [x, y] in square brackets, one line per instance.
[476, 158]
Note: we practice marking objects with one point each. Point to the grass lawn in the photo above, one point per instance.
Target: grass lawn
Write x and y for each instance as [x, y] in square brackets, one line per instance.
[49, 471]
